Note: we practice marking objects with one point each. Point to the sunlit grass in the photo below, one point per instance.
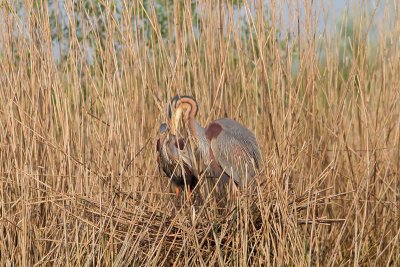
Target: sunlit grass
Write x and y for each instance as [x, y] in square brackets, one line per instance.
[79, 182]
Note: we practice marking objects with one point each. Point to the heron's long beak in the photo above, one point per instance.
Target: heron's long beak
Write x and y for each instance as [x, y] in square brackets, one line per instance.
[175, 121]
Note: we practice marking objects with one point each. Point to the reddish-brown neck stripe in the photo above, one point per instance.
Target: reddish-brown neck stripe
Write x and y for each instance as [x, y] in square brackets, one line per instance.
[215, 167]
[190, 114]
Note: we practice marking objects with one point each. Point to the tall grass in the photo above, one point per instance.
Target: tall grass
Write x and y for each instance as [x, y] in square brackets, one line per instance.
[79, 182]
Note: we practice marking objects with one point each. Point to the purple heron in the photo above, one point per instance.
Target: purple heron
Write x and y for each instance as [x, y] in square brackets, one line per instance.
[174, 159]
[228, 148]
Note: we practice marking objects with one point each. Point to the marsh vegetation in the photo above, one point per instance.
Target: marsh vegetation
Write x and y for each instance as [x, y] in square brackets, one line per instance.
[84, 86]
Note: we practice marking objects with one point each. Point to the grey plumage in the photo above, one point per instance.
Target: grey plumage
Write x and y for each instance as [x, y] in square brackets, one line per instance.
[175, 161]
[236, 150]
[225, 146]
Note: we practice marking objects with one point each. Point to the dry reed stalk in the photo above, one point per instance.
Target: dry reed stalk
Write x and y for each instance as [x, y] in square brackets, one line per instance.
[79, 183]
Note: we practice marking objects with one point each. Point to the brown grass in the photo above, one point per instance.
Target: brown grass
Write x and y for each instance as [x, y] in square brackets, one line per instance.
[79, 184]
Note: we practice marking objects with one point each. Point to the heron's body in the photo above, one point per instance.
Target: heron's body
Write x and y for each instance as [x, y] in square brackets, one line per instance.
[233, 150]
[174, 159]
[226, 146]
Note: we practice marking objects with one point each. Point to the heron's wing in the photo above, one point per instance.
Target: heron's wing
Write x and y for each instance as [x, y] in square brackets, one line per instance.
[174, 160]
[183, 151]
[236, 150]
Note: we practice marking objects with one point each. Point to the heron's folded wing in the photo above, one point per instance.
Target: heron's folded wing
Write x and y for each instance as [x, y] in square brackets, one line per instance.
[236, 150]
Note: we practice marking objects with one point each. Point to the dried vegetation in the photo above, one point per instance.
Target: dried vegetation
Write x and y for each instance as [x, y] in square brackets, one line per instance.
[79, 184]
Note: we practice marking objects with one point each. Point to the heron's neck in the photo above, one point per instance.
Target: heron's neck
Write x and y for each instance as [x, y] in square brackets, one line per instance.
[203, 147]
[195, 128]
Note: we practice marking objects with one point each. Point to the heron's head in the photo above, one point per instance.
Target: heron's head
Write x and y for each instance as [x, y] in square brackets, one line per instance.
[181, 107]
[163, 128]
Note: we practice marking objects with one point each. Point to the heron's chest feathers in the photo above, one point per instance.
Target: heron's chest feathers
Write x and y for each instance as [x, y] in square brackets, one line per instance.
[164, 152]
[215, 167]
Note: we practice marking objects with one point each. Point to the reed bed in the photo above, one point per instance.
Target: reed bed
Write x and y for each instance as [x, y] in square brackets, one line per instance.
[84, 87]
